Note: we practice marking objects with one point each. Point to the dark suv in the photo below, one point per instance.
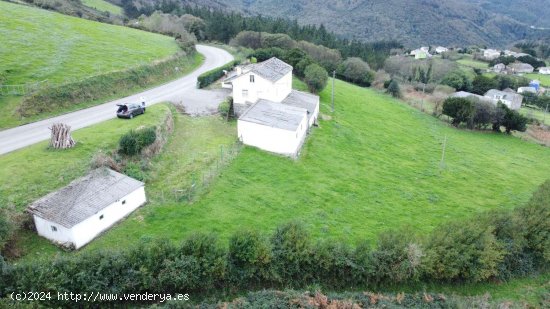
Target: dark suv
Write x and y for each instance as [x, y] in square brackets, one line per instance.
[129, 110]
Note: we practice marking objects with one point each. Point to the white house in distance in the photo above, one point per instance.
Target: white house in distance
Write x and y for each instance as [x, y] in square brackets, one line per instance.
[441, 49]
[491, 54]
[273, 116]
[509, 98]
[79, 212]
[544, 70]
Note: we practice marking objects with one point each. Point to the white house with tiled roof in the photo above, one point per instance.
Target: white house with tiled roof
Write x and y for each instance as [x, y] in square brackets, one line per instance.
[76, 214]
[273, 116]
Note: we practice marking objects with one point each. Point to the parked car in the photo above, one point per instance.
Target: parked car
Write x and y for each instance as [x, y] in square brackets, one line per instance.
[129, 110]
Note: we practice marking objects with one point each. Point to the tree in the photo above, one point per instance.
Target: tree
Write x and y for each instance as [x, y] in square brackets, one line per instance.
[356, 71]
[315, 77]
[393, 89]
[460, 109]
[458, 80]
[482, 84]
[513, 121]
[483, 114]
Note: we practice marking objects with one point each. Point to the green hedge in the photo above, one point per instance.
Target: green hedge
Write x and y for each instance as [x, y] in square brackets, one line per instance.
[52, 98]
[494, 246]
[134, 141]
[213, 75]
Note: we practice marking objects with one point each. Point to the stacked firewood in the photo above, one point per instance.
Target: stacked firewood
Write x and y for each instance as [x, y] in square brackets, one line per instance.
[61, 136]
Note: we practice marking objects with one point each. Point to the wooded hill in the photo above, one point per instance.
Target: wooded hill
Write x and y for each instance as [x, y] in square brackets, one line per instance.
[415, 22]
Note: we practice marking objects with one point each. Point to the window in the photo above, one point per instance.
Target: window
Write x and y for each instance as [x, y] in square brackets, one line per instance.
[251, 78]
[54, 228]
[101, 217]
[245, 93]
[123, 202]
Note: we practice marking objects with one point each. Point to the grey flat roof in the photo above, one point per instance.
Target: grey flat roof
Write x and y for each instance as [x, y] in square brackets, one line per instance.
[304, 100]
[84, 197]
[272, 69]
[275, 115]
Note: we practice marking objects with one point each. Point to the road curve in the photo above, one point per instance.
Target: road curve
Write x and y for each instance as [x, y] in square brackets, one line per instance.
[181, 89]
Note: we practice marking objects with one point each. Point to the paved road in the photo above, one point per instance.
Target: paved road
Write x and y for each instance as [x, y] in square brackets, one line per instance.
[182, 90]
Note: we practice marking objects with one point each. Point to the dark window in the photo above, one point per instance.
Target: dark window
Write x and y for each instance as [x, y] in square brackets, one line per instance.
[101, 217]
[123, 202]
[251, 78]
[54, 229]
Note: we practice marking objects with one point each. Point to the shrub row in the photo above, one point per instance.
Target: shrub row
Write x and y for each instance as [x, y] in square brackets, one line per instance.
[100, 86]
[134, 141]
[213, 75]
[479, 114]
[496, 246]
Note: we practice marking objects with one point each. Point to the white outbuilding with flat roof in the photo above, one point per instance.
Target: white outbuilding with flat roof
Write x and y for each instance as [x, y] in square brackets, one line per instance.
[79, 212]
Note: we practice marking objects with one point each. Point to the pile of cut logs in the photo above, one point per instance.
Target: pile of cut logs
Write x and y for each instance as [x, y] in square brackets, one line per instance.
[61, 136]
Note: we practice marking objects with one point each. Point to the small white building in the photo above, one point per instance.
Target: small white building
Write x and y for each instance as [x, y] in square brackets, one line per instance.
[519, 67]
[441, 49]
[491, 54]
[273, 116]
[527, 90]
[544, 70]
[511, 99]
[79, 212]
[499, 67]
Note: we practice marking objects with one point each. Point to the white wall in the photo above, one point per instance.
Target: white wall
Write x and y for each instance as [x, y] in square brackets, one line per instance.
[88, 229]
[85, 231]
[261, 88]
[313, 118]
[62, 236]
[272, 139]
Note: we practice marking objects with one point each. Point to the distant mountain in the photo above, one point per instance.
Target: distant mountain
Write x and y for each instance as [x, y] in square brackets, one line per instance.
[414, 22]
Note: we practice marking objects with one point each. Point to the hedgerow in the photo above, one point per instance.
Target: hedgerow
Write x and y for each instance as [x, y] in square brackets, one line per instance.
[491, 247]
[213, 75]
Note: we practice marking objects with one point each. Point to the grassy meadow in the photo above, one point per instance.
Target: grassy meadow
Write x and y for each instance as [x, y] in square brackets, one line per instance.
[544, 79]
[37, 45]
[468, 61]
[103, 6]
[375, 165]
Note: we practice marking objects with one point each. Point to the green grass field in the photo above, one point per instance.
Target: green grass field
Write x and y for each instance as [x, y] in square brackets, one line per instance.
[43, 45]
[374, 166]
[103, 6]
[544, 79]
[470, 62]
[38, 45]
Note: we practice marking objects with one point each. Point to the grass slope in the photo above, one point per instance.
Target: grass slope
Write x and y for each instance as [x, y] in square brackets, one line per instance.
[103, 6]
[45, 45]
[374, 166]
[544, 79]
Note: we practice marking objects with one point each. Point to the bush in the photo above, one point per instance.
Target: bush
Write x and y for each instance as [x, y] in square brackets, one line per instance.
[460, 109]
[292, 252]
[397, 257]
[315, 77]
[6, 229]
[513, 121]
[250, 257]
[463, 251]
[134, 141]
[356, 70]
[458, 80]
[213, 75]
[393, 89]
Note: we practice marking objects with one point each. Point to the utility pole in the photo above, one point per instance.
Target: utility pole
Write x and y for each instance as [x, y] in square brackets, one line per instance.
[545, 112]
[442, 164]
[333, 77]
